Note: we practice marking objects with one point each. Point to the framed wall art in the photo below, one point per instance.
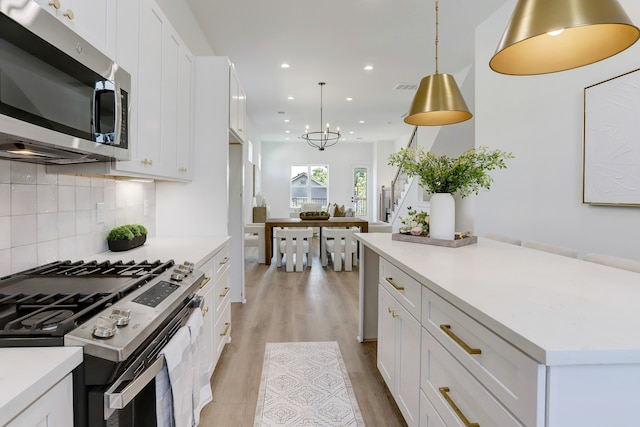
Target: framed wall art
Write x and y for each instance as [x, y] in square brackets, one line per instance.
[611, 153]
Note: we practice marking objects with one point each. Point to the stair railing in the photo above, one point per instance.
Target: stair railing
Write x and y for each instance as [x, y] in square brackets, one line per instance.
[400, 179]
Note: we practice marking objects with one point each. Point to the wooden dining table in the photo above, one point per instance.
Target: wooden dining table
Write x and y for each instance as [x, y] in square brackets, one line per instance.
[270, 223]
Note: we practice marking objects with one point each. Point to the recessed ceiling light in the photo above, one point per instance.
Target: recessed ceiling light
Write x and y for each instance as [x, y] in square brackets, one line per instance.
[349, 99]
[368, 67]
[361, 121]
[287, 120]
[287, 131]
[351, 132]
[290, 98]
[284, 65]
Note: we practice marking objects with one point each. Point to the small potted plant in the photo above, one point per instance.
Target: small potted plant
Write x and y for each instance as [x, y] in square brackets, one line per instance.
[125, 237]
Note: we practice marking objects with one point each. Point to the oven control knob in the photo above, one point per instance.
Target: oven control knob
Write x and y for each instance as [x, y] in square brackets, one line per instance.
[177, 275]
[189, 266]
[105, 327]
[121, 316]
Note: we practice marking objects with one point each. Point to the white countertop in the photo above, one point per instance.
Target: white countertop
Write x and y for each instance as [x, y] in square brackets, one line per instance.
[28, 372]
[180, 249]
[558, 310]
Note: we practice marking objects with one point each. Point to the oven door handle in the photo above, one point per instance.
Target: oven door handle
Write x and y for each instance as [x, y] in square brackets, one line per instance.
[119, 400]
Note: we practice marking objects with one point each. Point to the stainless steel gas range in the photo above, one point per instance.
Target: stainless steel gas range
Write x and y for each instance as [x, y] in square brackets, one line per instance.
[121, 314]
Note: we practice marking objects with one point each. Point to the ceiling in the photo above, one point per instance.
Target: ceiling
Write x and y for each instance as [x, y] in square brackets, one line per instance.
[332, 41]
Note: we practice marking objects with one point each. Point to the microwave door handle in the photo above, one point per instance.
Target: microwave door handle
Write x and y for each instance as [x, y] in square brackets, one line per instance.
[119, 400]
[107, 86]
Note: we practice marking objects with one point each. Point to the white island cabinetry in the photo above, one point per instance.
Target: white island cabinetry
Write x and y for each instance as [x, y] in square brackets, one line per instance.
[510, 336]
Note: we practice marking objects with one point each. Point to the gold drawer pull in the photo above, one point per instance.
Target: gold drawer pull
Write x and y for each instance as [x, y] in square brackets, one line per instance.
[224, 260]
[55, 4]
[204, 311]
[393, 313]
[447, 330]
[228, 325]
[204, 282]
[392, 283]
[226, 291]
[465, 421]
[69, 14]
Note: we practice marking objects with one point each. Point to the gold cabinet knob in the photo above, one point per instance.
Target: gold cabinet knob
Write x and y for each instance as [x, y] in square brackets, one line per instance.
[55, 4]
[69, 14]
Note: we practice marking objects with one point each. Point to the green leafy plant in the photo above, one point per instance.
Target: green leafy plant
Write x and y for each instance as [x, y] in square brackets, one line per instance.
[463, 175]
[120, 233]
[137, 229]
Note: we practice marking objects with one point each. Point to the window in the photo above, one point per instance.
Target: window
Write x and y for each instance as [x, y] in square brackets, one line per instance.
[309, 184]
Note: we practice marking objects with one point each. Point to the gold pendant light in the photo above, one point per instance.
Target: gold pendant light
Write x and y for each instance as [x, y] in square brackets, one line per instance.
[545, 36]
[438, 100]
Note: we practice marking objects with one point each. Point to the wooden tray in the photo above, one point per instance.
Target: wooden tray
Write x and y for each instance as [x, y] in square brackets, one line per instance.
[436, 242]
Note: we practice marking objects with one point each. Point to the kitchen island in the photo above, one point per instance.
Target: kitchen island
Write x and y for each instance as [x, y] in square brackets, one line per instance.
[556, 338]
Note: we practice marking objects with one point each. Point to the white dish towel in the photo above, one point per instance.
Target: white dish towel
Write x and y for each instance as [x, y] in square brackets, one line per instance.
[201, 385]
[179, 369]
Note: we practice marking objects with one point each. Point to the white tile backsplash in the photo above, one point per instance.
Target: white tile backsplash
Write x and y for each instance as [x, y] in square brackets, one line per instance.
[24, 257]
[83, 198]
[47, 227]
[5, 198]
[47, 217]
[24, 199]
[66, 198]
[47, 198]
[5, 232]
[23, 230]
[24, 173]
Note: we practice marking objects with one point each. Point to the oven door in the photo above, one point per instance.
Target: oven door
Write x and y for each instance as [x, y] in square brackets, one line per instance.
[130, 401]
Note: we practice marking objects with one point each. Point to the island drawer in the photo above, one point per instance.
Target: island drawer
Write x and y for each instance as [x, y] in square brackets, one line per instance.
[454, 393]
[515, 379]
[221, 260]
[401, 286]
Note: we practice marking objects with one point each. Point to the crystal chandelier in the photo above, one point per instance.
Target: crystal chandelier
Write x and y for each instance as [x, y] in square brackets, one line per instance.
[323, 138]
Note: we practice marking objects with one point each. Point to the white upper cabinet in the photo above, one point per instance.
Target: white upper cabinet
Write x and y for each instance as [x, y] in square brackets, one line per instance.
[237, 107]
[161, 141]
[94, 20]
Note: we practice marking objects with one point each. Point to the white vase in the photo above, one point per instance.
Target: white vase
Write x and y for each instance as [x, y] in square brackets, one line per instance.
[442, 216]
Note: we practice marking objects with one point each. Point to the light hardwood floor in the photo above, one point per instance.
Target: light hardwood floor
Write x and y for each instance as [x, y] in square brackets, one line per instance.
[315, 305]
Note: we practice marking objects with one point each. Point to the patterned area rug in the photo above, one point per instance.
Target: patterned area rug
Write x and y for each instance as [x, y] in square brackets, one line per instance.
[305, 384]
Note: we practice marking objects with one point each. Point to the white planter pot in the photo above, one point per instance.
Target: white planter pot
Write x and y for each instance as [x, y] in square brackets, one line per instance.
[442, 221]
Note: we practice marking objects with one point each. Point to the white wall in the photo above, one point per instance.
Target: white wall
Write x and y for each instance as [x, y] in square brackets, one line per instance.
[277, 159]
[540, 120]
[183, 20]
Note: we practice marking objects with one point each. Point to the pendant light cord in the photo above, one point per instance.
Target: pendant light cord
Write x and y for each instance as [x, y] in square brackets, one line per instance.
[436, 36]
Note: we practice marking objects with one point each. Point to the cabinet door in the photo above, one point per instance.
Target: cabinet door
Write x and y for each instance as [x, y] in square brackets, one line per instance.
[237, 105]
[387, 338]
[184, 153]
[169, 111]
[53, 408]
[408, 365]
[208, 301]
[145, 156]
[94, 20]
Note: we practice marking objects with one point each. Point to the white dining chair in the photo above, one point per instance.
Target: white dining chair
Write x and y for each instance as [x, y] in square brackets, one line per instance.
[293, 242]
[254, 237]
[337, 242]
[558, 250]
[503, 238]
[614, 261]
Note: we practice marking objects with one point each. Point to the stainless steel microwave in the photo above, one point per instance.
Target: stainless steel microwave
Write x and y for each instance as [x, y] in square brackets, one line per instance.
[62, 101]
